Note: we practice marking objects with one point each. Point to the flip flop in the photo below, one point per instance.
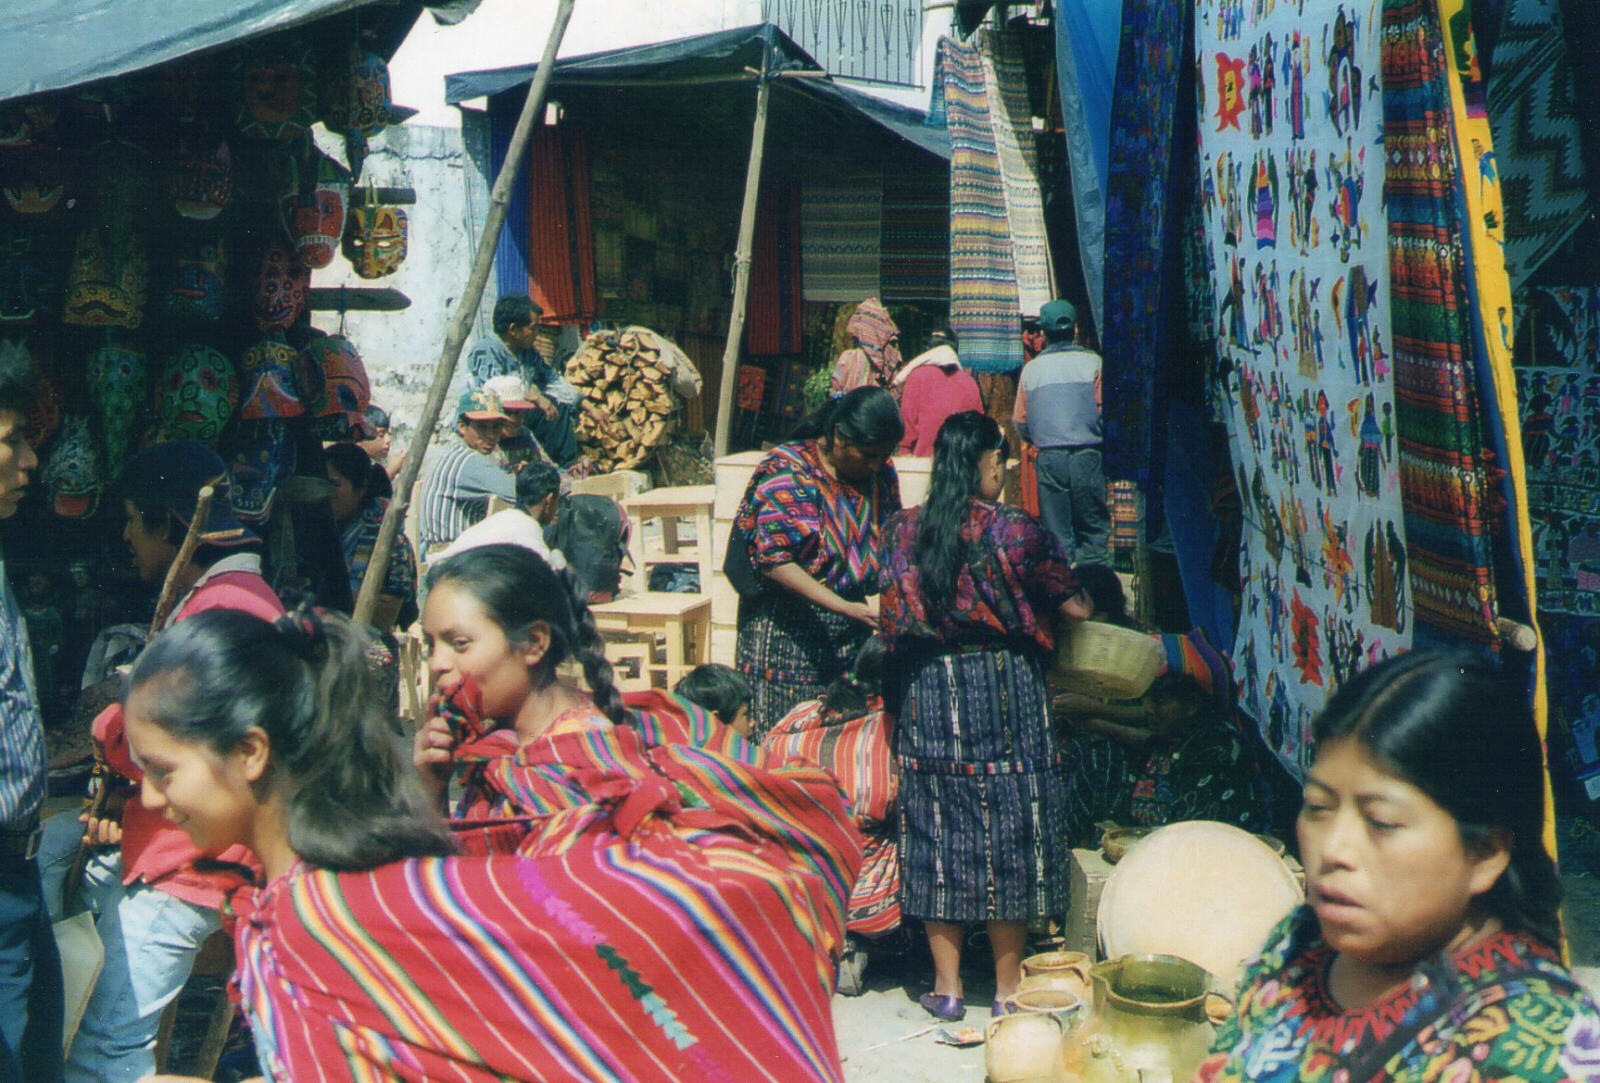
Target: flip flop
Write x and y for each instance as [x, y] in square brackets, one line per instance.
[1005, 1006]
[943, 1006]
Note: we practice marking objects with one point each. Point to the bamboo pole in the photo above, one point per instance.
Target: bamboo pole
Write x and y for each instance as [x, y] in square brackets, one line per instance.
[456, 332]
[741, 259]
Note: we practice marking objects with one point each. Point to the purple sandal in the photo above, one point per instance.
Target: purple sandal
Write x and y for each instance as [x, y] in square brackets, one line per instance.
[944, 1007]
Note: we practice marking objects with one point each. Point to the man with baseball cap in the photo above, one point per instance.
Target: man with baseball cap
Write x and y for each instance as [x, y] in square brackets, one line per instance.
[154, 908]
[459, 482]
[1058, 412]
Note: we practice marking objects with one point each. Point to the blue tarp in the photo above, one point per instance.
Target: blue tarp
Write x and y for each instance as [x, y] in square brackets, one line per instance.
[707, 60]
[54, 44]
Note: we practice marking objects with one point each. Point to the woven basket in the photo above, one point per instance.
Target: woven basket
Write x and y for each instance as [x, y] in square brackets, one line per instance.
[1106, 661]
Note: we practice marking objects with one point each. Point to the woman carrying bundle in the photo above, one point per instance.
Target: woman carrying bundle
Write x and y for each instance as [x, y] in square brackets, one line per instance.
[972, 589]
[639, 931]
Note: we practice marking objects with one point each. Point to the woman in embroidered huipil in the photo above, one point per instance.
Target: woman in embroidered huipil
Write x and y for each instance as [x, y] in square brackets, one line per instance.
[814, 513]
[1428, 946]
[651, 912]
[971, 591]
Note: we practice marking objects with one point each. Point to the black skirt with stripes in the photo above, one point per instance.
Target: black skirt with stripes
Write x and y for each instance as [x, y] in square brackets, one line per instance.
[982, 787]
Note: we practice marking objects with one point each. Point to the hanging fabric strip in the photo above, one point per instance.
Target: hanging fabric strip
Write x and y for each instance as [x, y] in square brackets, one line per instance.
[774, 324]
[561, 273]
[841, 229]
[510, 254]
[983, 278]
[1088, 34]
[1132, 337]
[1006, 91]
[916, 235]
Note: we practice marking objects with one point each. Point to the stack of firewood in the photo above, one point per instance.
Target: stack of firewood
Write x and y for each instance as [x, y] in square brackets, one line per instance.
[628, 375]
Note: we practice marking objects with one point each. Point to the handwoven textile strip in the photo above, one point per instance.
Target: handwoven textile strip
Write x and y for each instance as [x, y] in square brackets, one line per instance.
[841, 225]
[916, 235]
[773, 326]
[560, 247]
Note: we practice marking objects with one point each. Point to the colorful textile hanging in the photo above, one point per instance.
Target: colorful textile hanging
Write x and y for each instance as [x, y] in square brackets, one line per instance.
[773, 326]
[1439, 413]
[1557, 350]
[1538, 150]
[915, 264]
[561, 276]
[1291, 185]
[984, 310]
[1010, 118]
[1132, 340]
[841, 226]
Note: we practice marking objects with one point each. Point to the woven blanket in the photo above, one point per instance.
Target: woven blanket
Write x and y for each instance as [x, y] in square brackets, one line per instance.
[841, 223]
[1439, 412]
[983, 273]
[1136, 210]
[1006, 90]
[1538, 152]
[773, 325]
[561, 250]
[1292, 188]
[916, 236]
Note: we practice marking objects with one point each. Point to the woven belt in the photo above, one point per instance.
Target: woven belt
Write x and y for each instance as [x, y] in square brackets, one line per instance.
[22, 845]
[973, 768]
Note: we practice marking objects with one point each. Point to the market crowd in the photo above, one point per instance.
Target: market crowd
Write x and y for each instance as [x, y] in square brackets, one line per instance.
[556, 880]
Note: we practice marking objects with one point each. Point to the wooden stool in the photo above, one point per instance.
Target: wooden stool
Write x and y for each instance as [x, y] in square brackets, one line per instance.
[682, 620]
[692, 502]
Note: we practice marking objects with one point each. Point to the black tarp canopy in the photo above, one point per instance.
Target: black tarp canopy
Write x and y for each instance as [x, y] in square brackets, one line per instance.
[53, 44]
[703, 65]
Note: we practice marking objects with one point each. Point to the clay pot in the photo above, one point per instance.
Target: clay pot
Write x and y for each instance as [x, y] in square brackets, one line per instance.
[1067, 971]
[1150, 1022]
[1027, 1045]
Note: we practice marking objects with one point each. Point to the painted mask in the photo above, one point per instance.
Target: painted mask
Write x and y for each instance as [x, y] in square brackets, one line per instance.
[71, 474]
[197, 291]
[24, 285]
[265, 457]
[118, 386]
[375, 242]
[23, 123]
[34, 197]
[277, 93]
[266, 372]
[281, 284]
[201, 183]
[197, 394]
[106, 286]
[346, 389]
[316, 215]
[188, 89]
[357, 95]
[44, 416]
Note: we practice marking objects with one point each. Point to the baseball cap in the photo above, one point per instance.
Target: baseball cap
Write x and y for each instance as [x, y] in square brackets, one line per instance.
[481, 404]
[170, 476]
[1057, 316]
[511, 391]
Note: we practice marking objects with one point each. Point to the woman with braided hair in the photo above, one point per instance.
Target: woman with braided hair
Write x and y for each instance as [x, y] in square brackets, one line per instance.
[632, 920]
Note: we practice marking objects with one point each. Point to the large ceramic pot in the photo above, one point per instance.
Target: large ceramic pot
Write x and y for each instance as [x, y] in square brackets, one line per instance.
[1149, 1023]
[1026, 1046]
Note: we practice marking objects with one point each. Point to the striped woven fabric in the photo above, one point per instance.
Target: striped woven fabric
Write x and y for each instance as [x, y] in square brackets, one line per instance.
[774, 324]
[560, 246]
[1438, 408]
[841, 228]
[1123, 499]
[669, 913]
[984, 309]
[856, 753]
[1010, 118]
[916, 236]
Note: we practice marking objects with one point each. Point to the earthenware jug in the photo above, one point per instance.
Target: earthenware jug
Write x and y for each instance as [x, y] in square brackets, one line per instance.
[1064, 970]
[1027, 1045]
[1148, 1025]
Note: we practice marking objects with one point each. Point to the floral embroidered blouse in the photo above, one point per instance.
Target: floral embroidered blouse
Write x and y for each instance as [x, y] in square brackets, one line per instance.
[1013, 581]
[1503, 1008]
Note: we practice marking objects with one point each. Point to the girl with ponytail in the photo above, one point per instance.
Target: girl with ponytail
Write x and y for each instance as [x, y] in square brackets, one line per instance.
[1429, 945]
[574, 941]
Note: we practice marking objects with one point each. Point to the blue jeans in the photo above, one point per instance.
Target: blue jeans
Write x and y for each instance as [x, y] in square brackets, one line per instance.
[151, 940]
[30, 980]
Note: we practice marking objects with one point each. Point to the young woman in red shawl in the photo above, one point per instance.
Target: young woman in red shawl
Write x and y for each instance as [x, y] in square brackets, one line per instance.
[669, 917]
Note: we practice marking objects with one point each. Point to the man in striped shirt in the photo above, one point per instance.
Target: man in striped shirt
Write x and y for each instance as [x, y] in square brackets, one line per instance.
[30, 970]
[459, 483]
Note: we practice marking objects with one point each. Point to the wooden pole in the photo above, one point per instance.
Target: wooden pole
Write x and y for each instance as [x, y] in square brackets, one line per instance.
[461, 321]
[741, 259]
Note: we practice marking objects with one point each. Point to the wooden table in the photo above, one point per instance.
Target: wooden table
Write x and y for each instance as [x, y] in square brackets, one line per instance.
[670, 505]
[683, 620]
